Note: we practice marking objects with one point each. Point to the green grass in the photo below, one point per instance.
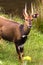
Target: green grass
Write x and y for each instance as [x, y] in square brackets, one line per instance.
[33, 47]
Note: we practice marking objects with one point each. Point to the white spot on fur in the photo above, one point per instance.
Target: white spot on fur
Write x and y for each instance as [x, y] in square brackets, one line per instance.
[24, 36]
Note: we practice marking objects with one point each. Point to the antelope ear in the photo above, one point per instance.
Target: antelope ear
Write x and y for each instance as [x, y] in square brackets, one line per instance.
[35, 15]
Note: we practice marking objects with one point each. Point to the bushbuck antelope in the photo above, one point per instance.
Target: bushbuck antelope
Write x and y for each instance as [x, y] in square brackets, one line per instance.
[16, 32]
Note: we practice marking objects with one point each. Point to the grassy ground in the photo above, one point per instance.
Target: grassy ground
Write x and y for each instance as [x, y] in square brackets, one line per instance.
[32, 47]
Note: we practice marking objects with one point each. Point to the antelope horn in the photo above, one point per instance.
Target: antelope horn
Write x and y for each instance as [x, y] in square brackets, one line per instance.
[31, 9]
[26, 8]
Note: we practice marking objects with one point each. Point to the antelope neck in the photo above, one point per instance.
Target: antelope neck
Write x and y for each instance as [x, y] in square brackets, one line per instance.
[26, 26]
[25, 29]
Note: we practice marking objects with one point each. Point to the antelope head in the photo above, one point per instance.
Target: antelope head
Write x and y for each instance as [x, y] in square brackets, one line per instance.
[29, 17]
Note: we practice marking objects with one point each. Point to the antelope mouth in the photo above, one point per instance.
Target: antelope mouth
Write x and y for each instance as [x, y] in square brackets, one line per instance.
[29, 26]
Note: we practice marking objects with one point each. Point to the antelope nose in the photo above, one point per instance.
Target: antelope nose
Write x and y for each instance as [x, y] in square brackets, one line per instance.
[30, 26]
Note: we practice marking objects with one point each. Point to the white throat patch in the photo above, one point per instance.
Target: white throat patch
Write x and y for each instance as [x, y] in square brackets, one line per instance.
[23, 36]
